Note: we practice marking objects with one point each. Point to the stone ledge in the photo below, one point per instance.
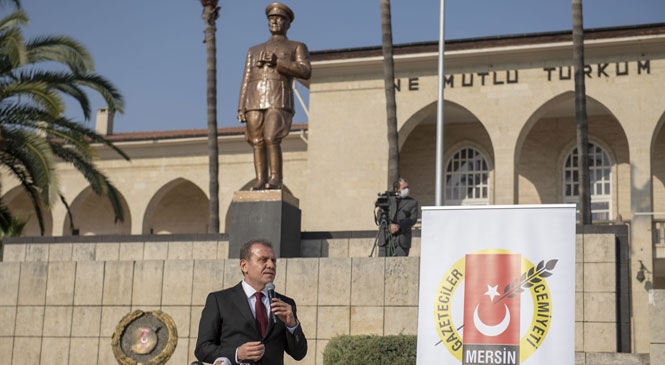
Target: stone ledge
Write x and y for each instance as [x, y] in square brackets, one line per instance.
[265, 196]
[615, 358]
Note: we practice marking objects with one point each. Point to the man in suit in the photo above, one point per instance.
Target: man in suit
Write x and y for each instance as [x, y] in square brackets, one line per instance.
[230, 323]
[403, 216]
[266, 94]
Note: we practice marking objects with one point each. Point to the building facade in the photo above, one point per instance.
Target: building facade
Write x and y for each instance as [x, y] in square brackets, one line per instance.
[509, 138]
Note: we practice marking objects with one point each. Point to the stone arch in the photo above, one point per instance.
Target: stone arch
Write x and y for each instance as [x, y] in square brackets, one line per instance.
[20, 206]
[93, 215]
[178, 207]
[417, 139]
[549, 134]
[658, 166]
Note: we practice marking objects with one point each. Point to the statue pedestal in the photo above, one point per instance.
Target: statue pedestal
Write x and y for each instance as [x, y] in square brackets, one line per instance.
[270, 214]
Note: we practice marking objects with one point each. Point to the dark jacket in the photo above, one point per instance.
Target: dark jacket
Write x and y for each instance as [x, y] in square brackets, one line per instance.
[227, 322]
[406, 215]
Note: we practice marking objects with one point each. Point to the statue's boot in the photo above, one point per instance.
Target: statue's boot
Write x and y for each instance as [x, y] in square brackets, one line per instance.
[260, 166]
[275, 161]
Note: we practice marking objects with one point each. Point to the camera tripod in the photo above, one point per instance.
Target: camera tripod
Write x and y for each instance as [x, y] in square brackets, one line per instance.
[381, 219]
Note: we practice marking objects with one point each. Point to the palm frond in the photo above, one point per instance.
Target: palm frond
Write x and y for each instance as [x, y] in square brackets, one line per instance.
[82, 134]
[38, 83]
[113, 196]
[10, 225]
[34, 92]
[13, 19]
[37, 206]
[61, 49]
[15, 115]
[76, 92]
[106, 89]
[99, 183]
[69, 212]
[12, 46]
[30, 158]
[34, 198]
[83, 164]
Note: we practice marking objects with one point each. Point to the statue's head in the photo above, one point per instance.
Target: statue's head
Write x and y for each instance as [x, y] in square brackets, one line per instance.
[281, 10]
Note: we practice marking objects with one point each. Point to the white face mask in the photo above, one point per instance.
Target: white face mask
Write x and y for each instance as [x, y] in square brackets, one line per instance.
[404, 193]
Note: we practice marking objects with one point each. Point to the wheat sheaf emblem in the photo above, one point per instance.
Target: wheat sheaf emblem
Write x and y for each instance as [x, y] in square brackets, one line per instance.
[531, 277]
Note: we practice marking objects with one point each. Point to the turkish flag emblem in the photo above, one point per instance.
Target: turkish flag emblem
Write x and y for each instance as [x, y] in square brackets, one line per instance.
[490, 317]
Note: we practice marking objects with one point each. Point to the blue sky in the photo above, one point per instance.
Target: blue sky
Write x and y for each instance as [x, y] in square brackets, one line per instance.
[152, 50]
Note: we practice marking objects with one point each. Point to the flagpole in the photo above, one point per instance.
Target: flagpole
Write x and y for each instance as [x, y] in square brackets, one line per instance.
[439, 111]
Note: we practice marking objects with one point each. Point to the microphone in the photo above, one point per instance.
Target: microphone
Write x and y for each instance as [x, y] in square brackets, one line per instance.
[270, 287]
[222, 361]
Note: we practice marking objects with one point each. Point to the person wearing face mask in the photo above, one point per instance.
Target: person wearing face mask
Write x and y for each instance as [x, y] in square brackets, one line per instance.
[403, 218]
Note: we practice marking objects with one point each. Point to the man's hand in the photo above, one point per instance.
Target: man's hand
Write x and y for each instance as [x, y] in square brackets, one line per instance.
[284, 312]
[252, 351]
[394, 228]
[241, 117]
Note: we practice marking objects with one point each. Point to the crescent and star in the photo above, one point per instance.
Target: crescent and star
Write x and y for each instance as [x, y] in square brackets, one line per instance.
[495, 330]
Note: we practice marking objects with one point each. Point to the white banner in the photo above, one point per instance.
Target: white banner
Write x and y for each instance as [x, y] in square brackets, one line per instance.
[497, 285]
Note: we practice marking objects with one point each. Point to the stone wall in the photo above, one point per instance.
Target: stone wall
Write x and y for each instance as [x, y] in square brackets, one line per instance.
[61, 302]
[657, 313]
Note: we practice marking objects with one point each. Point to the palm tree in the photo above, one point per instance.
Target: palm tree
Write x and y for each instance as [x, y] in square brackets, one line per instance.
[389, 85]
[10, 226]
[33, 131]
[581, 114]
[210, 15]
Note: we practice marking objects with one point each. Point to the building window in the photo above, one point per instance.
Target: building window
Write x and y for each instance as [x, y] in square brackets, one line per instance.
[467, 178]
[600, 179]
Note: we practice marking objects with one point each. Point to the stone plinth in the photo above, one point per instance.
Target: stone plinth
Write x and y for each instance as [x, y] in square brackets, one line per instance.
[269, 214]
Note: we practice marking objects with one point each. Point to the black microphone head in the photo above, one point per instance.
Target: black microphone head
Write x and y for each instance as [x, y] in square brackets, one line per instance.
[270, 287]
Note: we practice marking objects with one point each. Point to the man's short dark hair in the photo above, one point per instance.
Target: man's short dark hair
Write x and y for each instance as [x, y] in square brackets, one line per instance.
[247, 246]
[398, 182]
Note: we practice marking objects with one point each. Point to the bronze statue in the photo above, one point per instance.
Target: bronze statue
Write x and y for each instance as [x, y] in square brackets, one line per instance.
[266, 94]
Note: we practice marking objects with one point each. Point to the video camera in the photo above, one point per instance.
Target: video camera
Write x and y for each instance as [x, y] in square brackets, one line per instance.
[385, 208]
[384, 199]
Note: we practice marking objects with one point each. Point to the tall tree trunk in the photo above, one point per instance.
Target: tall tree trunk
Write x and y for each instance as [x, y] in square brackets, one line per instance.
[210, 15]
[581, 115]
[389, 85]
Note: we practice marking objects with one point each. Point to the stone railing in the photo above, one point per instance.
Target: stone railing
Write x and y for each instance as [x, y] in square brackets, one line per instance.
[62, 301]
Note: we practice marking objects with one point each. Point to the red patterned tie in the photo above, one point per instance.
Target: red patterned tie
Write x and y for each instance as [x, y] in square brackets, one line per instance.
[261, 314]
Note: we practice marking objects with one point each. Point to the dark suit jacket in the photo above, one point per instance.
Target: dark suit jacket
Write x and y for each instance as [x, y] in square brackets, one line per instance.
[406, 215]
[227, 322]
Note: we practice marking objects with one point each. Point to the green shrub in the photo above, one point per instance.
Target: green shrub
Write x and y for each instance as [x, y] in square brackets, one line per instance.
[370, 350]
